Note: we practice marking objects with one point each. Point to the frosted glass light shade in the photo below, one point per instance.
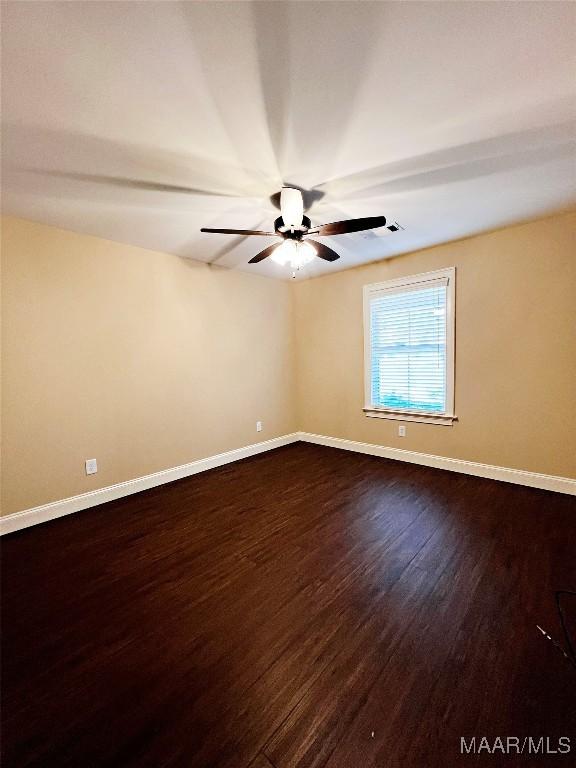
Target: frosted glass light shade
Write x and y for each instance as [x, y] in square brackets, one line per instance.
[295, 253]
[304, 254]
[284, 253]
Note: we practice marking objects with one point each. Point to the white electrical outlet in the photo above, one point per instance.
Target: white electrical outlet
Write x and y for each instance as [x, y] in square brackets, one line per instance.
[401, 431]
[91, 466]
[258, 426]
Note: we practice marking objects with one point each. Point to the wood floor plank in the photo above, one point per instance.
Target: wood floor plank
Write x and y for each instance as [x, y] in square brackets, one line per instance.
[261, 761]
[283, 609]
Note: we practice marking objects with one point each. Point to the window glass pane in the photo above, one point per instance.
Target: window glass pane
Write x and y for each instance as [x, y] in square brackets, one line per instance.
[408, 349]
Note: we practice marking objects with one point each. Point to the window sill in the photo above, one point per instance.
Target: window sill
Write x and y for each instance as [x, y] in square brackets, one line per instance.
[426, 418]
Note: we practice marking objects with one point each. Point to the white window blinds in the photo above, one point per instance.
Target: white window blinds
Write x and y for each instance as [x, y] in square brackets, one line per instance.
[409, 346]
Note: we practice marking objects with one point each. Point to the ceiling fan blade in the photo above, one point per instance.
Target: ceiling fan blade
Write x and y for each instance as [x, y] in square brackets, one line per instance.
[291, 206]
[230, 244]
[323, 252]
[239, 232]
[351, 225]
[263, 254]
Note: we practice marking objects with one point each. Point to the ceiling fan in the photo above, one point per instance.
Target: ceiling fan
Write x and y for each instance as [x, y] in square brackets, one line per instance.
[294, 228]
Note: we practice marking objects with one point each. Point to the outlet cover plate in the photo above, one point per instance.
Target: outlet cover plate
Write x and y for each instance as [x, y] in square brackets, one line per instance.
[91, 466]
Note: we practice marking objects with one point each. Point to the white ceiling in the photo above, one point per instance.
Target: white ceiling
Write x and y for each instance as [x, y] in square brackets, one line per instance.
[452, 118]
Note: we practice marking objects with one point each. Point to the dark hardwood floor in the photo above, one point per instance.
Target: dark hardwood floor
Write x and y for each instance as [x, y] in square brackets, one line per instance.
[305, 607]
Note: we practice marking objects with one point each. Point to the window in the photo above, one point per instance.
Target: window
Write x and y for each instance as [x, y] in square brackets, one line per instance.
[409, 348]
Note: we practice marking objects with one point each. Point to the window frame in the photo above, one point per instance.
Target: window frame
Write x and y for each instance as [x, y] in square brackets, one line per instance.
[448, 416]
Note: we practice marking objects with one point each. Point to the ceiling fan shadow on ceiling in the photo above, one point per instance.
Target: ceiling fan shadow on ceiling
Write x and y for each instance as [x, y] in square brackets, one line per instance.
[294, 228]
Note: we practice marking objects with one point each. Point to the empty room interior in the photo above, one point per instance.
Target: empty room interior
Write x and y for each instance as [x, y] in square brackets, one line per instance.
[288, 384]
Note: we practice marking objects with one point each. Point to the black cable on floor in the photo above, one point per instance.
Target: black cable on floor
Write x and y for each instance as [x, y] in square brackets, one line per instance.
[563, 620]
[570, 655]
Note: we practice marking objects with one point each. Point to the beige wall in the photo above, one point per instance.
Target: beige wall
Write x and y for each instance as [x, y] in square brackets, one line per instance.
[147, 361]
[140, 359]
[515, 350]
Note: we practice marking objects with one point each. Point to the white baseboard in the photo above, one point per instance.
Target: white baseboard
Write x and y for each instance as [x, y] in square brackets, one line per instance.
[518, 476]
[28, 517]
[36, 515]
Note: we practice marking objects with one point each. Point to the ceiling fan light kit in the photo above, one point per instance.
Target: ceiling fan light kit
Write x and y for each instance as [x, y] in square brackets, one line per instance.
[293, 226]
[294, 252]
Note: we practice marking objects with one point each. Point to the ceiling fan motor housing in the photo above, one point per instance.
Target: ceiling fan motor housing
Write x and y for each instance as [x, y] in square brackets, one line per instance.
[288, 233]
